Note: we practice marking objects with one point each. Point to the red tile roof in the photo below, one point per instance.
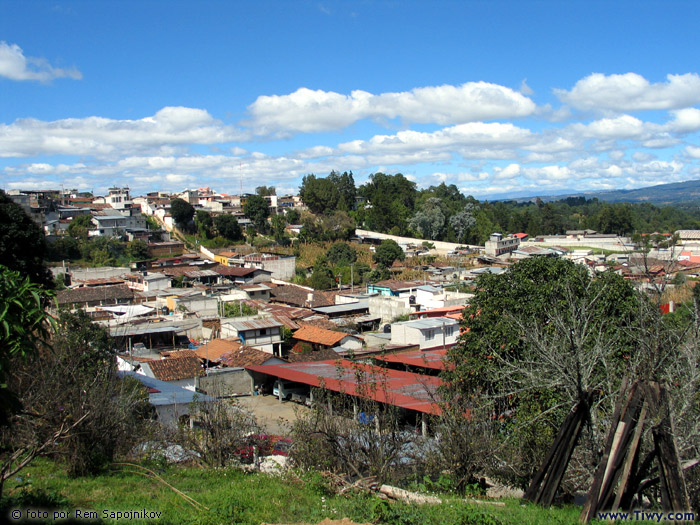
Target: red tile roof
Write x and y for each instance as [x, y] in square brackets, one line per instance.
[245, 356]
[311, 334]
[176, 368]
[213, 350]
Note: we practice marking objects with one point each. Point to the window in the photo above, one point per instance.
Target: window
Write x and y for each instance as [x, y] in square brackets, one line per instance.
[263, 331]
[448, 331]
[429, 335]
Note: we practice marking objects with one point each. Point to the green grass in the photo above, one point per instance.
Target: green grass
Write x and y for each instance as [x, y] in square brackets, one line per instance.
[233, 496]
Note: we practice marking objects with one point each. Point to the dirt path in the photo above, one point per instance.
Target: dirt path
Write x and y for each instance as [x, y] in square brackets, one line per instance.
[274, 417]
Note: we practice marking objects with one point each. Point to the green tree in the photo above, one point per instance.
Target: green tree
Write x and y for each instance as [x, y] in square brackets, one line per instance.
[537, 337]
[462, 221]
[22, 243]
[388, 252]
[227, 226]
[24, 326]
[204, 223]
[278, 225]
[80, 226]
[257, 210]
[341, 254]
[429, 221]
[391, 200]
[181, 212]
[345, 184]
[318, 194]
[76, 385]
[137, 249]
[265, 191]
[292, 216]
[322, 276]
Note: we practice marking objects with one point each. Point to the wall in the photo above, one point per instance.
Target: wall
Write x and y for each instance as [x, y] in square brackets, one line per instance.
[388, 308]
[226, 382]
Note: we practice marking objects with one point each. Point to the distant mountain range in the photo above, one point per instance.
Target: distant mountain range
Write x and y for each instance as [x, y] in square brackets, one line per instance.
[662, 194]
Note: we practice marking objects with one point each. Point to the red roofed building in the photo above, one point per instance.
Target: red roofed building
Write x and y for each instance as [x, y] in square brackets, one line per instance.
[320, 338]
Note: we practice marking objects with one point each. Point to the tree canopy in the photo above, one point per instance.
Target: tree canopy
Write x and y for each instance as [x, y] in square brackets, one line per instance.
[227, 226]
[257, 210]
[181, 211]
[388, 252]
[22, 243]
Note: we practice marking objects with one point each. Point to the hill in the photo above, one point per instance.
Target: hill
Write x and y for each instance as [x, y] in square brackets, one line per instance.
[663, 194]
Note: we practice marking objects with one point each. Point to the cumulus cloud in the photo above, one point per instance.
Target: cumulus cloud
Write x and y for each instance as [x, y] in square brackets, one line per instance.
[102, 137]
[306, 110]
[632, 92]
[15, 66]
[685, 120]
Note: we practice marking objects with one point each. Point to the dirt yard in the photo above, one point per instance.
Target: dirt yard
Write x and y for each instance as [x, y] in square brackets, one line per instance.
[274, 417]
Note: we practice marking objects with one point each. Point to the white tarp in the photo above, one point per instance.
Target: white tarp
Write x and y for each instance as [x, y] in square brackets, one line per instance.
[129, 311]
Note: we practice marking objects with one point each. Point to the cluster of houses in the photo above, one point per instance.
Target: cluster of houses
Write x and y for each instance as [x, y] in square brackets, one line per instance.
[226, 323]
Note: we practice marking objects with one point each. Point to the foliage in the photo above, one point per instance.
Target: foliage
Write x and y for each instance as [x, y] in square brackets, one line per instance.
[221, 430]
[204, 223]
[181, 212]
[388, 252]
[235, 496]
[322, 277]
[292, 216]
[429, 221]
[137, 249]
[265, 191]
[337, 225]
[81, 411]
[535, 338]
[392, 200]
[462, 221]
[22, 243]
[341, 254]
[227, 227]
[80, 226]
[335, 192]
[24, 325]
[257, 210]
[238, 309]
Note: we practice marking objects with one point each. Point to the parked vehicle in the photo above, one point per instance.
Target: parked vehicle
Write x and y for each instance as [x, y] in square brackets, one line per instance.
[285, 389]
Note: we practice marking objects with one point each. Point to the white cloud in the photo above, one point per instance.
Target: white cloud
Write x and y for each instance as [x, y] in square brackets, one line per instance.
[101, 137]
[685, 120]
[306, 110]
[632, 92]
[15, 66]
[693, 151]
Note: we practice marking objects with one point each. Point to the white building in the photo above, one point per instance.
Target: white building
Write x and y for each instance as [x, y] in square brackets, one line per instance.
[263, 334]
[433, 332]
[498, 245]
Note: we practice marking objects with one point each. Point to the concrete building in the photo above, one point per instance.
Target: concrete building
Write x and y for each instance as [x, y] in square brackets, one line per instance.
[498, 245]
[426, 333]
[263, 334]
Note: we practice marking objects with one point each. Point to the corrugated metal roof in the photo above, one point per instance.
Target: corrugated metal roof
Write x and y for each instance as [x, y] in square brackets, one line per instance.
[430, 322]
[433, 359]
[403, 389]
[343, 308]
[253, 324]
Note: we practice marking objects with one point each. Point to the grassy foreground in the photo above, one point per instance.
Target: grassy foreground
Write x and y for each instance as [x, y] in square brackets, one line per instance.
[232, 496]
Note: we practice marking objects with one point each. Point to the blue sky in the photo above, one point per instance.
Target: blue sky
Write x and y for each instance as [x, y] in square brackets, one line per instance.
[500, 98]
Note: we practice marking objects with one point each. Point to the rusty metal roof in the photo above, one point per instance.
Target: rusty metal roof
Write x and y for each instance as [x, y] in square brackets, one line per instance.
[433, 359]
[403, 389]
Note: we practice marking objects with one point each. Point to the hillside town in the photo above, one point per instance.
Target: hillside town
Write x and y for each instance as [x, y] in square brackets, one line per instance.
[202, 323]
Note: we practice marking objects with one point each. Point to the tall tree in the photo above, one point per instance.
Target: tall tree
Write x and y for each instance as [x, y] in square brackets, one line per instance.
[318, 194]
[182, 212]
[227, 226]
[388, 252]
[257, 210]
[22, 243]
